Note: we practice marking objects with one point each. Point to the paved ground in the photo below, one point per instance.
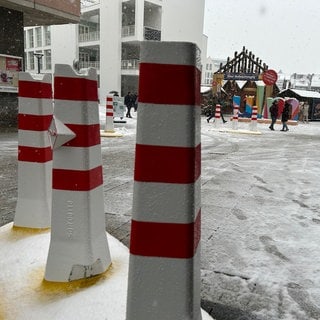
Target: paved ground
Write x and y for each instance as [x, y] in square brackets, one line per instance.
[240, 173]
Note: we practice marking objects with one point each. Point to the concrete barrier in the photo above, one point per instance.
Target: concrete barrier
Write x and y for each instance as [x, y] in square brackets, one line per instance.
[78, 245]
[164, 266]
[33, 208]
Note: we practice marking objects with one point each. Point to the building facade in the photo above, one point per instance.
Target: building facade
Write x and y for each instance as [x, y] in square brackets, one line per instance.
[109, 34]
[15, 15]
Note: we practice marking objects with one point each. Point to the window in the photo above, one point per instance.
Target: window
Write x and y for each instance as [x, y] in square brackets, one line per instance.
[38, 37]
[30, 38]
[83, 29]
[47, 58]
[31, 60]
[47, 36]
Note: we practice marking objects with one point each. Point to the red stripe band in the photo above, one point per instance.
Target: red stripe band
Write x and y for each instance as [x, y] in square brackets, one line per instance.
[167, 164]
[34, 122]
[77, 180]
[86, 135]
[109, 106]
[109, 114]
[109, 99]
[169, 240]
[78, 89]
[35, 89]
[155, 78]
[34, 154]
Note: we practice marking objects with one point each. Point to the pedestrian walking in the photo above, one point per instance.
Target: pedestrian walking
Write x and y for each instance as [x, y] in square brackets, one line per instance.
[274, 114]
[135, 105]
[129, 103]
[285, 116]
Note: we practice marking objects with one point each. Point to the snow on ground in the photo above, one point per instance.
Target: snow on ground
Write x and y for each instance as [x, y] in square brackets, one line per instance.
[260, 217]
[25, 295]
[260, 221]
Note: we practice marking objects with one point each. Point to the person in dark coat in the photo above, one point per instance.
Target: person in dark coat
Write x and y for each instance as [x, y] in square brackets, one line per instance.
[285, 116]
[129, 103]
[274, 113]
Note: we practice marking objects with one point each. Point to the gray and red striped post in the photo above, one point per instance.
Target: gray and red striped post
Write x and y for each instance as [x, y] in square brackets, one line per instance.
[78, 245]
[109, 126]
[164, 267]
[217, 116]
[254, 116]
[33, 208]
[109, 114]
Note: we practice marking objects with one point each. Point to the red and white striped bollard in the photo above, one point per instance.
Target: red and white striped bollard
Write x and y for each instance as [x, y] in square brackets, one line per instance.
[33, 208]
[78, 245]
[217, 116]
[164, 268]
[109, 114]
[254, 116]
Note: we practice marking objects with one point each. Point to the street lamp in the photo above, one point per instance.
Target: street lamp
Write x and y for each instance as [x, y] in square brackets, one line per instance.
[38, 56]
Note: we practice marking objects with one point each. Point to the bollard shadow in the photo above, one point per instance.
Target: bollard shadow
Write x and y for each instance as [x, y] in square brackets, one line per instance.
[223, 312]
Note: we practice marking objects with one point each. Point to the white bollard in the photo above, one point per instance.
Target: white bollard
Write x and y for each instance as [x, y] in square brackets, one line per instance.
[33, 208]
[78, 244]
[217, 116]
[109, 114]
[164, 267]
[109, 126]
[254, 115]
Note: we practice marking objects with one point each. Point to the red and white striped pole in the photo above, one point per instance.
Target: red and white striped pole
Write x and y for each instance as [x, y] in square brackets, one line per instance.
[254, 115]
[164, 267]
[217, 115]
[109, 127]
[236, 104]
[109, 114]
[34, 152]
[78, 246]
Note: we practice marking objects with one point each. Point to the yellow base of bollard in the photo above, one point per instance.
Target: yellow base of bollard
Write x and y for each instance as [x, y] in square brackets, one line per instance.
[110, 134]
[26, 295]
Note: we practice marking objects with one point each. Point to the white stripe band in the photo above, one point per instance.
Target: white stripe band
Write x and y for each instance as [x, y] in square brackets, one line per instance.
[166, 202]
[71, 210]
[181, 122]
[35, 106]
[170, 52]
[30, 138]
[156, 277]
[65, 70]
[77, 158]
[77, 112]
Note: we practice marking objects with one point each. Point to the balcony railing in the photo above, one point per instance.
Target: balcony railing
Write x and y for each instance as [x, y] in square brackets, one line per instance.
[89, 64]
[90, 36]
[152, 34]
[132, 64]
[128, 31]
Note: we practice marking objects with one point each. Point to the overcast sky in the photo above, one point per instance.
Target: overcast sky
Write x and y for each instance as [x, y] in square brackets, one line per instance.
[285, 34]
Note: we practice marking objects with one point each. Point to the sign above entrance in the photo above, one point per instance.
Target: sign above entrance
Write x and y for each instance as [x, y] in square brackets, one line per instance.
[241, 76]
[269, 77]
